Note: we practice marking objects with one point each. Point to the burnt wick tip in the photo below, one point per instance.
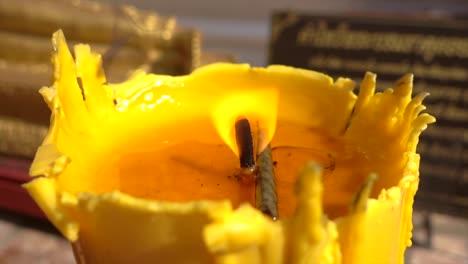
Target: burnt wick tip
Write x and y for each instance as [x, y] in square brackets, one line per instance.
[244, 142]
[260, 166]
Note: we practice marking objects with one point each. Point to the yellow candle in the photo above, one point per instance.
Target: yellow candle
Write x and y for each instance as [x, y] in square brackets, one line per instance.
[145, 170]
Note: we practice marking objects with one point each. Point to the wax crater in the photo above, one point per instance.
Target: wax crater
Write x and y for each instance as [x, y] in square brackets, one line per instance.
[150, 166]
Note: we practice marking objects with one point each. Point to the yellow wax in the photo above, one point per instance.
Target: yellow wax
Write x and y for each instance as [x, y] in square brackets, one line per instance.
[146, 170]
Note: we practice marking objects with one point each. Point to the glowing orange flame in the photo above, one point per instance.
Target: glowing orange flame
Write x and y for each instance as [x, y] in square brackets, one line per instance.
[260, 107]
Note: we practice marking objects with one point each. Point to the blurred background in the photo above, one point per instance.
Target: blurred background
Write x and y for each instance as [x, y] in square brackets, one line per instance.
[242, 27]
[341, 38]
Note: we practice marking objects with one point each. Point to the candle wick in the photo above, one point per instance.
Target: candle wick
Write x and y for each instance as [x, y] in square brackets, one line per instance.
[262, 169]
[245, 144]
[266, 198]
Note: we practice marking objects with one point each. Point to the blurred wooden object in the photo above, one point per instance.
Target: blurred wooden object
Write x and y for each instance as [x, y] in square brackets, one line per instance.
[213, 57]
[87, 21]
[127, 37]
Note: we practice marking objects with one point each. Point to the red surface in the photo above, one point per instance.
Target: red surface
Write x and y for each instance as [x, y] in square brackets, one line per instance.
[13, 173]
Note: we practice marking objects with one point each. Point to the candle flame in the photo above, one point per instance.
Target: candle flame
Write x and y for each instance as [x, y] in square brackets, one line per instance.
[260, 107]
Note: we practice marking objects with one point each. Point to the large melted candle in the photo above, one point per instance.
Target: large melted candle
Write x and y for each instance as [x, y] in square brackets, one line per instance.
[150, 167]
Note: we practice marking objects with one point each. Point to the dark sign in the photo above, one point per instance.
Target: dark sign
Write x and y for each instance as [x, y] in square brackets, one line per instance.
[435, 50]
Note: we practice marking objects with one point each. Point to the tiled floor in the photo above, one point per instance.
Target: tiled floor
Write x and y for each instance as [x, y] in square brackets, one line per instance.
[446, 244]
[24, 240]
